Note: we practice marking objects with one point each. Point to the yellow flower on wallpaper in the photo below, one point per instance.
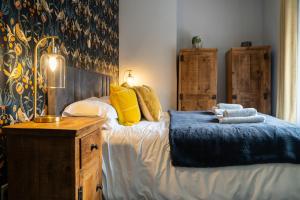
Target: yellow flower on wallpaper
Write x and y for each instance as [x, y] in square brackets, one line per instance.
[25, 79]
[20, 88]
[17, 72]
[18, 49]
[12, 21]
[12, 39]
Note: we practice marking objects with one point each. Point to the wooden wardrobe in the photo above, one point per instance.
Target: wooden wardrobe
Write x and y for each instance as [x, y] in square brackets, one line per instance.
[249, 77]
[197, 79]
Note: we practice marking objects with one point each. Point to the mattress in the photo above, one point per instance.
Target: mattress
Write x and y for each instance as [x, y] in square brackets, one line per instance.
[137, 165]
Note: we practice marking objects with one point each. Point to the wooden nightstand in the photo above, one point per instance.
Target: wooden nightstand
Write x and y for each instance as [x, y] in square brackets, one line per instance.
[55, 161]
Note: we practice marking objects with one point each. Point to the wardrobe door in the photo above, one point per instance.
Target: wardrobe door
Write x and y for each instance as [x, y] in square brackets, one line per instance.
[249, 74]
[265, 82]
[197, 80]
[245, 79]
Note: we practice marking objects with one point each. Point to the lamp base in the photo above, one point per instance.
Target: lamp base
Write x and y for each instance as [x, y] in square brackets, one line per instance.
[47, 119]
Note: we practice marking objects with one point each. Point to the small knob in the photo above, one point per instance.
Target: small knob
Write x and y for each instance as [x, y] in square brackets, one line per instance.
[94, 146]
[99, 187]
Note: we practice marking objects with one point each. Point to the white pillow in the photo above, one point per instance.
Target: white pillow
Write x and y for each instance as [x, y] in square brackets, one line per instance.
[89, 108]
[104, 99]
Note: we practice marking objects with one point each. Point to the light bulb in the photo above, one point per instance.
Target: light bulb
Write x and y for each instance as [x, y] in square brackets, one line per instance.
[130, 80]
[52, 63]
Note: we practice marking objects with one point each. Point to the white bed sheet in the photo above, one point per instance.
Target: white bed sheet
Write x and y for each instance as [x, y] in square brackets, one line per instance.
[136, 165]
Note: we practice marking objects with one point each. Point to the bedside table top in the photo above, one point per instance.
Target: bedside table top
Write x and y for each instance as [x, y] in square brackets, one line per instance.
[68, 124]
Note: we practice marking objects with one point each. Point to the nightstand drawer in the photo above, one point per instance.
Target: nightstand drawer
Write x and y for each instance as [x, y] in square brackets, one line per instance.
[90, 151]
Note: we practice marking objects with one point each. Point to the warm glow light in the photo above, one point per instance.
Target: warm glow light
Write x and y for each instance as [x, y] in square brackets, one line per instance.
[129, 78]
[52, 63]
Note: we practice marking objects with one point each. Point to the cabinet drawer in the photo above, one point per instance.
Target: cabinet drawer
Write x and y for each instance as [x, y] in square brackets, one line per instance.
[90, 150]
[91, 183]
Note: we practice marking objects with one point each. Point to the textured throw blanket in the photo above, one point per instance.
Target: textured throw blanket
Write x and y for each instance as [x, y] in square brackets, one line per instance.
[198, 140]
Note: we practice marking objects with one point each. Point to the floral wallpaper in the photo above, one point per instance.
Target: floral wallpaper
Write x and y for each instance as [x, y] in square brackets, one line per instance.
[89, 39]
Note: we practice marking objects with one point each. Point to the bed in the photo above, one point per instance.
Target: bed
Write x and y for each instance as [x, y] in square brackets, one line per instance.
[137, 165]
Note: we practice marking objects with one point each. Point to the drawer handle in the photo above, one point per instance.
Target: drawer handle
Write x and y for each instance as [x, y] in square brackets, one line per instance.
[94, 146]
[99, 187]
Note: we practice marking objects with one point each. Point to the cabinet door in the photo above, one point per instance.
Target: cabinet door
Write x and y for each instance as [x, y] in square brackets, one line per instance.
[245, 79]
[91, 184]
[250, 80]
[91, 166]
[197, 81]
[265, 82]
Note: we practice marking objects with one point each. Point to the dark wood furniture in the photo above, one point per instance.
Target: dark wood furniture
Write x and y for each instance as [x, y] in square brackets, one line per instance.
[249, 77]
[197, 83]
[55, 161]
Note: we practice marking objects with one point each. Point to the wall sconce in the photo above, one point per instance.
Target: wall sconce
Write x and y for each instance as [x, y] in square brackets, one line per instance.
[129, 78]
[53, 67]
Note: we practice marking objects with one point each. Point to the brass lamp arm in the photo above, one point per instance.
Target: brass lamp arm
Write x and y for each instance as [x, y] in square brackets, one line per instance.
[35, 59]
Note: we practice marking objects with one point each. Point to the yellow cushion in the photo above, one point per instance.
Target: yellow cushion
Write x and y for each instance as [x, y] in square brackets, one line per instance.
[148, 102]
[125, 102]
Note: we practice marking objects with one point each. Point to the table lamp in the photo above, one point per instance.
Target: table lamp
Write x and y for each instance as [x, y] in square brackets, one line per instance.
[129, 78]
[53, 66]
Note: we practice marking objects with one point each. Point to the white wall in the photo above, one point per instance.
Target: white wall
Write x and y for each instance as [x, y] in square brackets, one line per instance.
[271, 30]
[151, 31]
[222, 24]
[148, 35]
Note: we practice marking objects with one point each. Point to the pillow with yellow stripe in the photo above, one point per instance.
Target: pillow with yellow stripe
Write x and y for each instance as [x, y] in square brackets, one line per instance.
[125, 102]
[148, 102]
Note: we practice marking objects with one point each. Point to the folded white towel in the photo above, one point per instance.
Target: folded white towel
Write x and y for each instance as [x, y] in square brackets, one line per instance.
[229, 106]
[246, 112]
[217, 111]
[239, 120]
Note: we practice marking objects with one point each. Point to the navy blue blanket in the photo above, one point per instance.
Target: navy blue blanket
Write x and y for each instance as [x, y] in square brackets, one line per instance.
[198, 140]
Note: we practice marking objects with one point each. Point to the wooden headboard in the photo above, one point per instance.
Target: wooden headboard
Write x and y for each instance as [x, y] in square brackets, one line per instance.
[80, 84]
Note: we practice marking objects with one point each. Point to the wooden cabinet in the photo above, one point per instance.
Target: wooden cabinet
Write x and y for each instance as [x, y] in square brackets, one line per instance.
[249, 77]
[197, 83]
[52, 161]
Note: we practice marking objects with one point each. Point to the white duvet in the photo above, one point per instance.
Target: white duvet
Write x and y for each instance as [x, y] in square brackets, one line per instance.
[136, 165]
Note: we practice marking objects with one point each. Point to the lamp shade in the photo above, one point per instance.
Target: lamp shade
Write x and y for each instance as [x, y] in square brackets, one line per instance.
[53, 67]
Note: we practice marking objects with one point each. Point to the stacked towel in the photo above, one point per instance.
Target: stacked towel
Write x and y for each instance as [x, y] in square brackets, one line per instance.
[235, 114]
[238, 120]
[217, 111]
[221, 107]
[228, 106]
[246, 112]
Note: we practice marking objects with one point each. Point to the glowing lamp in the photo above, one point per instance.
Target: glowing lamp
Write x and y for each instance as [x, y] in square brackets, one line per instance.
[129, 78]
[53, 67]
